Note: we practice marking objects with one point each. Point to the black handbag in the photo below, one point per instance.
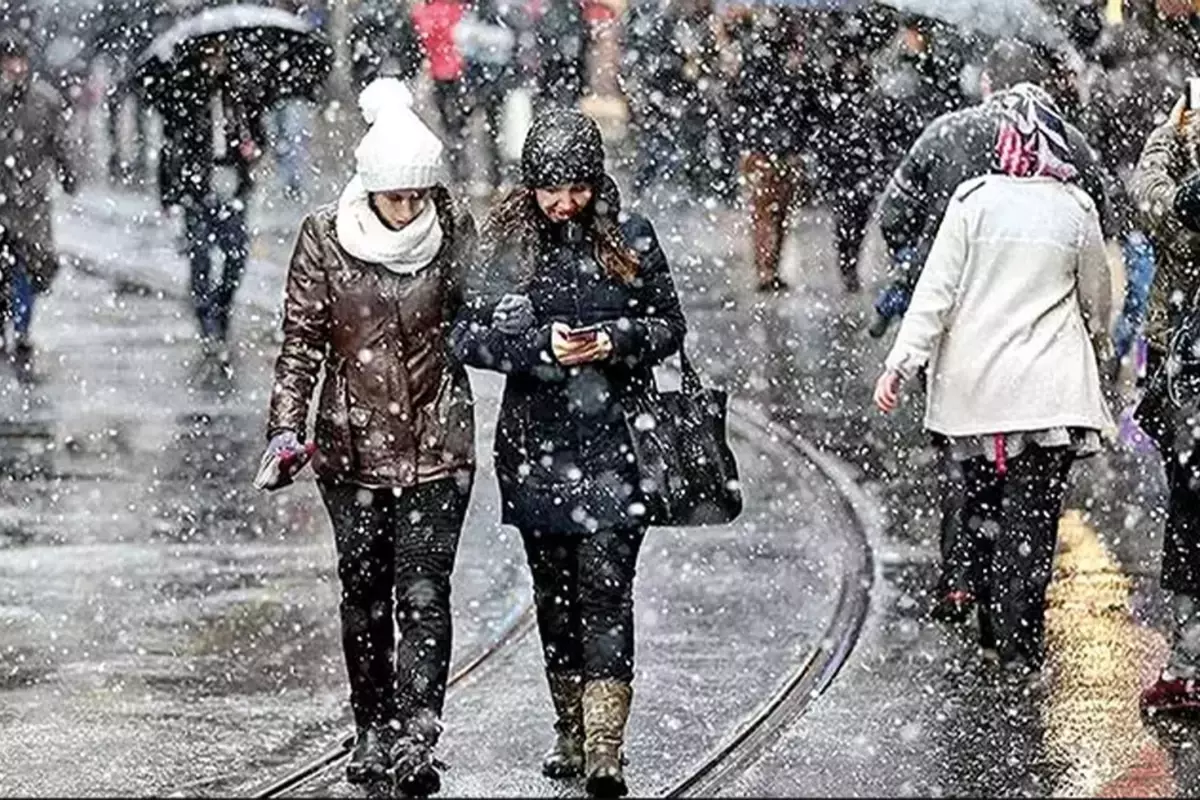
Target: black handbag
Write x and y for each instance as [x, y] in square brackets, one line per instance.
[1169, 411]
[687, 473]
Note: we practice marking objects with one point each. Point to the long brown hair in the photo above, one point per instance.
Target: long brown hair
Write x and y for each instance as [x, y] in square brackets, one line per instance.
[516, 224]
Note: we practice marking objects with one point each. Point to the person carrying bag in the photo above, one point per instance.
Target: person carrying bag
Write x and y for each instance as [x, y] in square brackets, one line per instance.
[1166, 190]
[575, 304]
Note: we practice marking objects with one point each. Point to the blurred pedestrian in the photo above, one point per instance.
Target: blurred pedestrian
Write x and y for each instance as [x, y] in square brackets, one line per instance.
[560, 37]
[852, 161]
[955, 148]
[291, 121]
[1010, 317]
[575, 304]
[124, 31]
[212, 136]
[35, 151]
[1166, 190]
[488, 46]
[371, 293]
[774, 113]
[383, 42]
[436, 22]
[674, 80]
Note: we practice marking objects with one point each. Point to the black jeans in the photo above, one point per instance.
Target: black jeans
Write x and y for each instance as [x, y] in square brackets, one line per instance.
[956, 550]
[395, 556]
[1181, 537]
[221, 226]
[1011, 523]
[852, 213]
[583, 589]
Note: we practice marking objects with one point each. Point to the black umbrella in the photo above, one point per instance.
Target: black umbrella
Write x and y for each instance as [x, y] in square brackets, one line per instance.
[284, 55]
[1016, 19]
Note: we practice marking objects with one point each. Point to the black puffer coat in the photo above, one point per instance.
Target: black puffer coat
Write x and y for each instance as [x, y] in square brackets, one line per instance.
[562, 447]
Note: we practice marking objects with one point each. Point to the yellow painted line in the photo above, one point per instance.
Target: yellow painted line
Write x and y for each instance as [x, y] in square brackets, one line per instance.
[1097, 661]
[1114, 12]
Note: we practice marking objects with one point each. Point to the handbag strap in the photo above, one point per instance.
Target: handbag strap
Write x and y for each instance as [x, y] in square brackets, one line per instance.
[691, 379]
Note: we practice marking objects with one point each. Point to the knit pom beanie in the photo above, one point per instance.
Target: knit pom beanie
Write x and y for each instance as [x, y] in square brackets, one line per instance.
[563, 147]
[399, 151]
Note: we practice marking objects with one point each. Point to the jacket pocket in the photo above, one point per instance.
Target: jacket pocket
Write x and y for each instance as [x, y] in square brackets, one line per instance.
[446, 426]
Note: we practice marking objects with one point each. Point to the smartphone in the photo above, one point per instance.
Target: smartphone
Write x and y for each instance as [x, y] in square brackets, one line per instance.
[1193, 95]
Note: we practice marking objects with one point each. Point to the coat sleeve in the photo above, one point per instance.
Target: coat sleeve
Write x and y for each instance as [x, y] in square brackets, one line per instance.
[477, 343]
[1094, 181]
[656, 332]
[907, 197]
[466, 253]
[306, 331]
[935, 296]
[1153, 186]
[1095, 285]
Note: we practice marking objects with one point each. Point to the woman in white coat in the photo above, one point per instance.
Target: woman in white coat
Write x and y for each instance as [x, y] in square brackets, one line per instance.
[1009, 317]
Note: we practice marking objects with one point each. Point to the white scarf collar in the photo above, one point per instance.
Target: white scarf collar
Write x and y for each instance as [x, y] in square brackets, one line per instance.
[362, 234]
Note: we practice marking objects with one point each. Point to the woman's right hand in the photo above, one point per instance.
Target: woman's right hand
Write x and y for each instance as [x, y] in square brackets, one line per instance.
[571, 352]
[887, 391]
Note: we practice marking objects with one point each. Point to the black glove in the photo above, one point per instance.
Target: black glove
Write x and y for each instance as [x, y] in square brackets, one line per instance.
[514, 314]
[1187, 202]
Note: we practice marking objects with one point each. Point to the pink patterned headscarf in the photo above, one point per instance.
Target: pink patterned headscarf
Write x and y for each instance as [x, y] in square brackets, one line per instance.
[1032, 140]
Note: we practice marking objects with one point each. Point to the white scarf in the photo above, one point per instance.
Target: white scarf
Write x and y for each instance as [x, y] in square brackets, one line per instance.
[364, 236]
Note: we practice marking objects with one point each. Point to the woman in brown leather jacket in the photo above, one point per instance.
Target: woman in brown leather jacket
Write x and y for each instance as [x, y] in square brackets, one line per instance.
[371, 291]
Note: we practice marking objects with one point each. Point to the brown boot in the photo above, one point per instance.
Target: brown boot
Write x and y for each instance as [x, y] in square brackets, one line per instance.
[605, 712]
[565, 758]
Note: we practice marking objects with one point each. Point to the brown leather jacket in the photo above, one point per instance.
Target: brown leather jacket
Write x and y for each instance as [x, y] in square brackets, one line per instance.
[395, 408]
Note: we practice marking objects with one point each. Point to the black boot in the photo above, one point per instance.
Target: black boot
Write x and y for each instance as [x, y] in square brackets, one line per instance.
[22, 360]
[565, 758]
[371, 758]
[414, 768]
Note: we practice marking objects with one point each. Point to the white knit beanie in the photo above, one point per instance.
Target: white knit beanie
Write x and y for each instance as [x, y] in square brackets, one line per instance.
[399, 151]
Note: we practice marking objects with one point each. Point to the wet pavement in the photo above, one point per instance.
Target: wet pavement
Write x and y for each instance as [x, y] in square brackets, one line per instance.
[192, 644]
[164, 627]
[162, 624]
[915, 711]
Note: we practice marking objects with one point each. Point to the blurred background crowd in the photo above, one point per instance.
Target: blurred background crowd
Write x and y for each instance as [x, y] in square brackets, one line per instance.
[707, 101]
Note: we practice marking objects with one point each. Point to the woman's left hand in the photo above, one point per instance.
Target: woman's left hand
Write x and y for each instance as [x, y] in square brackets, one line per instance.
[572, 352]
[887, 391]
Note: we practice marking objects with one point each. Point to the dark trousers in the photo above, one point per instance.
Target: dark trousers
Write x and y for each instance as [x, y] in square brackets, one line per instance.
[852, 212]
[395, 556]
[490, 100]
[1011, 523]
[583, 589]
[1181, 537]
[956, 550]
[668, 150]
[454, 106]
[220, 227]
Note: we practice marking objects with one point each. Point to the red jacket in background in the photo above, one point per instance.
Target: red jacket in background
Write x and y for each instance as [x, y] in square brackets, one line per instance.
[435, 22]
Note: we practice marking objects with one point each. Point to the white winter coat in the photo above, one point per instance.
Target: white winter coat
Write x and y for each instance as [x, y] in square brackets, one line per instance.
[1010, 311]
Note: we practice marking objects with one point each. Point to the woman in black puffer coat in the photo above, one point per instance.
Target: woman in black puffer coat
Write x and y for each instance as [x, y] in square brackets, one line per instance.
[558, 258]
